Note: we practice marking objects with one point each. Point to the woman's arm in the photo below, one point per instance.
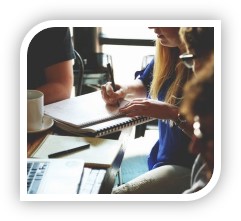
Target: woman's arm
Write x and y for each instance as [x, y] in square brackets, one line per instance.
[156, 109]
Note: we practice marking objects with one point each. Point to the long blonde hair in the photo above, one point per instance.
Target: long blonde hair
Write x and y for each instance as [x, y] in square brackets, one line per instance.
[167, 65]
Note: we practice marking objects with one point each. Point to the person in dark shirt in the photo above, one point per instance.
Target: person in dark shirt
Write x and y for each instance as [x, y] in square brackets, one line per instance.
[50, 66]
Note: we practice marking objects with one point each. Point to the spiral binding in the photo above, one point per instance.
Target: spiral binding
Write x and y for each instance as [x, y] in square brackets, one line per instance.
[106, 130]
[118, 127]
[101, 120]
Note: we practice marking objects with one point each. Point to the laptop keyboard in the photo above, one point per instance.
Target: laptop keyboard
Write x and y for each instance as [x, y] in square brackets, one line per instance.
[35, 171]
[92, 180]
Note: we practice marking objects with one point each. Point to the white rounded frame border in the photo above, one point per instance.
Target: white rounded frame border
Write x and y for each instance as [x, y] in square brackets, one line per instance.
[115, 23]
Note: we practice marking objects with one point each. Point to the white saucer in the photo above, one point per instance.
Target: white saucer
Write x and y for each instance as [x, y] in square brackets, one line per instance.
[47, 123]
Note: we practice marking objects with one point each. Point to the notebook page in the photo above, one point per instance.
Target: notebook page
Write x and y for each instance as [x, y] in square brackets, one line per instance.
[101, 153]
[83, 110]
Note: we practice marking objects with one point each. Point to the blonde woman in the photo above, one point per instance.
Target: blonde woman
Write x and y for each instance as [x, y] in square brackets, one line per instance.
[159, 93]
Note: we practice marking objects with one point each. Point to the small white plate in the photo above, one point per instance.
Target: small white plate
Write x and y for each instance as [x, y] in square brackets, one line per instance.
[47, 123]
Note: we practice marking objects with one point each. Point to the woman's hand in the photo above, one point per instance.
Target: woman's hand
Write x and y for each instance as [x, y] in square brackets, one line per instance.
[150, 108]
[110, 96]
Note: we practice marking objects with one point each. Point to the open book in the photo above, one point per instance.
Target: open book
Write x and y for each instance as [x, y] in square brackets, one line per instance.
[90, 116]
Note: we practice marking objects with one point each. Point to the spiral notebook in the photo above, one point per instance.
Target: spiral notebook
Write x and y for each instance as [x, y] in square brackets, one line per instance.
[90, 116]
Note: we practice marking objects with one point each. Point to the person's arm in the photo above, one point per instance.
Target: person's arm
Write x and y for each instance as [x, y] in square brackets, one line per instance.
[59, 84]
[136, 89]
[156, 109]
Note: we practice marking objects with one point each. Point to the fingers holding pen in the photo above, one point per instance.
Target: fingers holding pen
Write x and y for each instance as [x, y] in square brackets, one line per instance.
[109, 89]
[109, 95]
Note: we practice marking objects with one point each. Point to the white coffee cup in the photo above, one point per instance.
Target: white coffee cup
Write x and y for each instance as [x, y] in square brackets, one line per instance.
[35, 109]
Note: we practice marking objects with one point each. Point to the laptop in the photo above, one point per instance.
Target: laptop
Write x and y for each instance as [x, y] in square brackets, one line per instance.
[54, 176]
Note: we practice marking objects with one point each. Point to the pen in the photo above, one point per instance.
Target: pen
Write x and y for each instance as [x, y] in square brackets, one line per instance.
[68, 151]
[112, 79]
